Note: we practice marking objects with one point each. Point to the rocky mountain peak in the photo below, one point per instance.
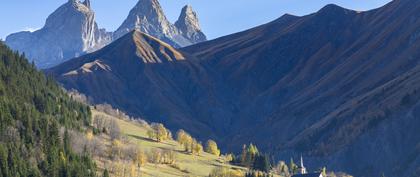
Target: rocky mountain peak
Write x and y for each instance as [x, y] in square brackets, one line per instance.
[69, 31]
[188, 19]
[74, 10]
[189, 25]
[150, 9]
[148, 17]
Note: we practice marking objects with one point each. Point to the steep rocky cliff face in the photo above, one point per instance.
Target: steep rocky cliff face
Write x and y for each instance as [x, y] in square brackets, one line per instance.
[69, 32]
[148, 17]
[189, 25]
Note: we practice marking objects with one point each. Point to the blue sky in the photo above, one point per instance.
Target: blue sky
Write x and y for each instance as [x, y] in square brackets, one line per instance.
[217, 17]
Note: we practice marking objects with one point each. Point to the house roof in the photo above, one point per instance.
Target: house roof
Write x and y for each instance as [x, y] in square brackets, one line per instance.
[308, 175]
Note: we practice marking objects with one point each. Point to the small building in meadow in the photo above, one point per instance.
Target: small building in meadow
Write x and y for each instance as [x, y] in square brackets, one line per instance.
[304, 173]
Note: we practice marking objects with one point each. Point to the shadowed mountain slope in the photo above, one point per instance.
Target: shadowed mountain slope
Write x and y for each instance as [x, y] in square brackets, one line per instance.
[313, 84]
[148, 78]
[338, 86]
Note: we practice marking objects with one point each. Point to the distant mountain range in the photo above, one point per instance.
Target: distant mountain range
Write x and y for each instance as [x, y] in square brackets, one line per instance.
[71, 31]
[339, 86]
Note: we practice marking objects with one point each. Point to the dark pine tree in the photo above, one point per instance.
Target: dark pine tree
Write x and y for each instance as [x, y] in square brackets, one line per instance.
[262, 163]
[32, 110]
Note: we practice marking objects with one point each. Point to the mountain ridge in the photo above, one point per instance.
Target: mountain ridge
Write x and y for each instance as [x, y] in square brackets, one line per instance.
[146, 78]
[71, 31]
[303, 85]
[148, 16]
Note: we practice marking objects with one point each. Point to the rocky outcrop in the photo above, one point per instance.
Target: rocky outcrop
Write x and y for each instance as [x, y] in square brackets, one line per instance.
[189, 26]
[69, 32]
[148, 17]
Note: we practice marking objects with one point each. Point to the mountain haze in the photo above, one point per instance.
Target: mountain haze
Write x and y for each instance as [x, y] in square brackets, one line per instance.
[338, 86]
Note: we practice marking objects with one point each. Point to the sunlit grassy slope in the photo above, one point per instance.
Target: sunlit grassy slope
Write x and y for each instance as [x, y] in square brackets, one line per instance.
[189, 165]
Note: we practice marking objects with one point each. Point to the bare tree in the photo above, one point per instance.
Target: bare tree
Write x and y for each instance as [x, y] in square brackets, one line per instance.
[114, 130]
[99, 122]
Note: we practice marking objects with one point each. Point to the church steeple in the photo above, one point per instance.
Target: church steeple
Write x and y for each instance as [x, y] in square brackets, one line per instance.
[302, 167]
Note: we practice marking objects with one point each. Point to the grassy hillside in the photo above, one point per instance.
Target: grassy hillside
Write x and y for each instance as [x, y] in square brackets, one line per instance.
[185, 164]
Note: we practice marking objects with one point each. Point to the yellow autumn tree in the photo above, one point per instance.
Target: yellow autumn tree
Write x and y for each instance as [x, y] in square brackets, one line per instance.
[89, 135]
[181, 136]
[161, 133]
[198, 148]
[141, 158]
[212, 148]
[115, 151]
[185, 140]
[133, 171]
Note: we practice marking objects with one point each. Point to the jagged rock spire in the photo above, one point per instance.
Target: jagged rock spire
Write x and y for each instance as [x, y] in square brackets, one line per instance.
[189, 25]
[188, 17]
[148, 17]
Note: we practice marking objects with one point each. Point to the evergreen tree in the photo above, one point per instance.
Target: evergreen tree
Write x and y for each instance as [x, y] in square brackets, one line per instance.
[105, 174]
[4, 167]
[32, 110]
[261, 163]
[293, 167]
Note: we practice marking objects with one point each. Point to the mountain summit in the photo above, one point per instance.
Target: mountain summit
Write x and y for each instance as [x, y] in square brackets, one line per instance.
[148, 17]
[189, 26]
[138, 66]
[68, 32]
[71, 31]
